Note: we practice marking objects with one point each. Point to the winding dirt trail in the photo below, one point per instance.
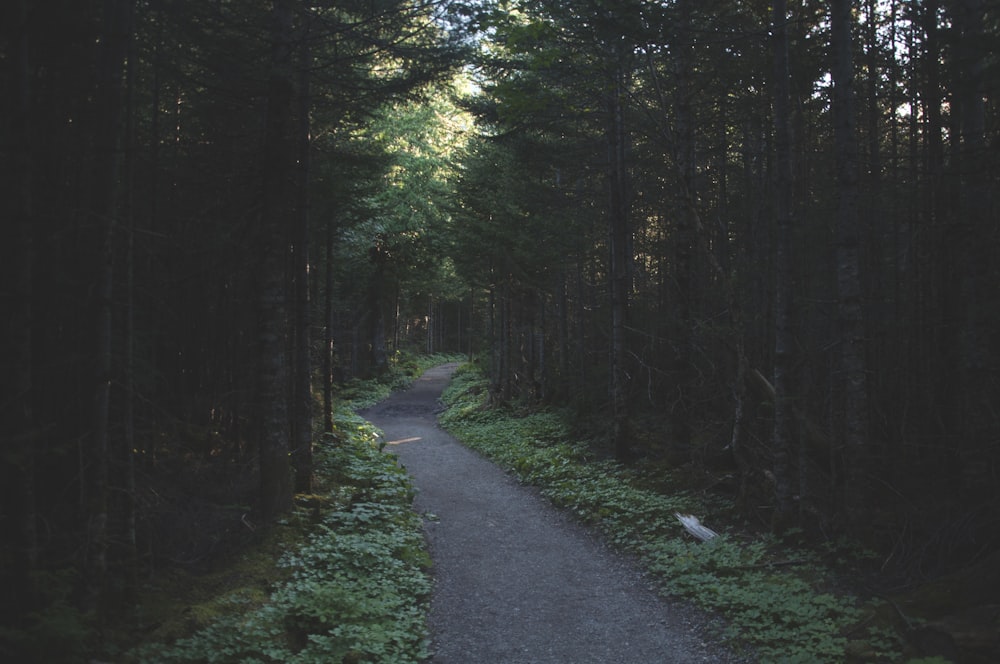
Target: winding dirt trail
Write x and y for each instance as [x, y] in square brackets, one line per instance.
[517, 581]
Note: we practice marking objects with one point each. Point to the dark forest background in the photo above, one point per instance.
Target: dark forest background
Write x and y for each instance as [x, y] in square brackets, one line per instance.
[755, 240]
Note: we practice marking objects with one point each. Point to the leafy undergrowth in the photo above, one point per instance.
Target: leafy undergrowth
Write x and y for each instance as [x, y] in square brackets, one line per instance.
[403, 370]
[342, 579]
[777, 602]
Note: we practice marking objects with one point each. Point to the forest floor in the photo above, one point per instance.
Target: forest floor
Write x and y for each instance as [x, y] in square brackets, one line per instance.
[515, 579]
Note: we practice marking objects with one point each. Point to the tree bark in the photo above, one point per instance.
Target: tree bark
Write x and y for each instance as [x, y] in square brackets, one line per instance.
[328, 338]
[977, 346]
[102, 213]
[17, 416]
[276, 216]
[782, 438]
[493, 338]
[431, 325]
[619, 269]
[850, 315]
[506, 343]
[378, 356]
[562, 327]
[302, 407]
[684, 286]
[128, 549]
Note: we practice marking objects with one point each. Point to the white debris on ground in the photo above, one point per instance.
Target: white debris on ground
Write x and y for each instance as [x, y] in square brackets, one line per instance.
[693, 526]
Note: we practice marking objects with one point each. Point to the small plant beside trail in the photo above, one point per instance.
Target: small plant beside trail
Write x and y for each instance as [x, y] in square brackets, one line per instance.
[350, 583]
[404, 368]
[776, 601]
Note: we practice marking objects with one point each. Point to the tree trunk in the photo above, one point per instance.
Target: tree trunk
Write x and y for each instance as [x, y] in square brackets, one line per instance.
[493, 340]
[936, 343]
[582, 354]
[431, 325]
[562, 304]
[541, 380]
[506, 343]
[782, 439]
[276, 216]
[128, 547]
[328, 338]
[852, 357]
[302, 407]
[376, 310]
[684, 286]
[102, 213]
[17, 418]
[873, 210]
[977, 346]
[619, 268]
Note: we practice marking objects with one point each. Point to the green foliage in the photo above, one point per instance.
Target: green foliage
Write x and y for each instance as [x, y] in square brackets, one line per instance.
[413, 366]
[535, 447]
[775, 599]
[399, 209]
[366, 393]
[783, 614]
[356, 589]
[58, 631]
[404, 368]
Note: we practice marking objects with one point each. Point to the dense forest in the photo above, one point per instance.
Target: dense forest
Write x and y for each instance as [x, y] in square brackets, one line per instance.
[753, 240]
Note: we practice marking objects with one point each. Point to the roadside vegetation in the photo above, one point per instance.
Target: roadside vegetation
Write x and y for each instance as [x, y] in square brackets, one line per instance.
[341, 579]
[781, 603]
[344, 577]
[404, 368]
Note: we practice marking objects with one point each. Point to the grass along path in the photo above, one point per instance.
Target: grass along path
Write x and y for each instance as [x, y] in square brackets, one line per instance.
[781, 612]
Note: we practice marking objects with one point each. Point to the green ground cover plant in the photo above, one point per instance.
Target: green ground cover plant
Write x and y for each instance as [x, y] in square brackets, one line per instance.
[776, 600]
[404, 368]
[350, 583]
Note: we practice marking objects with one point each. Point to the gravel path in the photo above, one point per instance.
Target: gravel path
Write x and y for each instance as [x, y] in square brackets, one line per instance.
[516, 580]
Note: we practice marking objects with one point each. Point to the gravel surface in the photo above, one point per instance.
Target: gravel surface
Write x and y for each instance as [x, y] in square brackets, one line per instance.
[516, 580]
